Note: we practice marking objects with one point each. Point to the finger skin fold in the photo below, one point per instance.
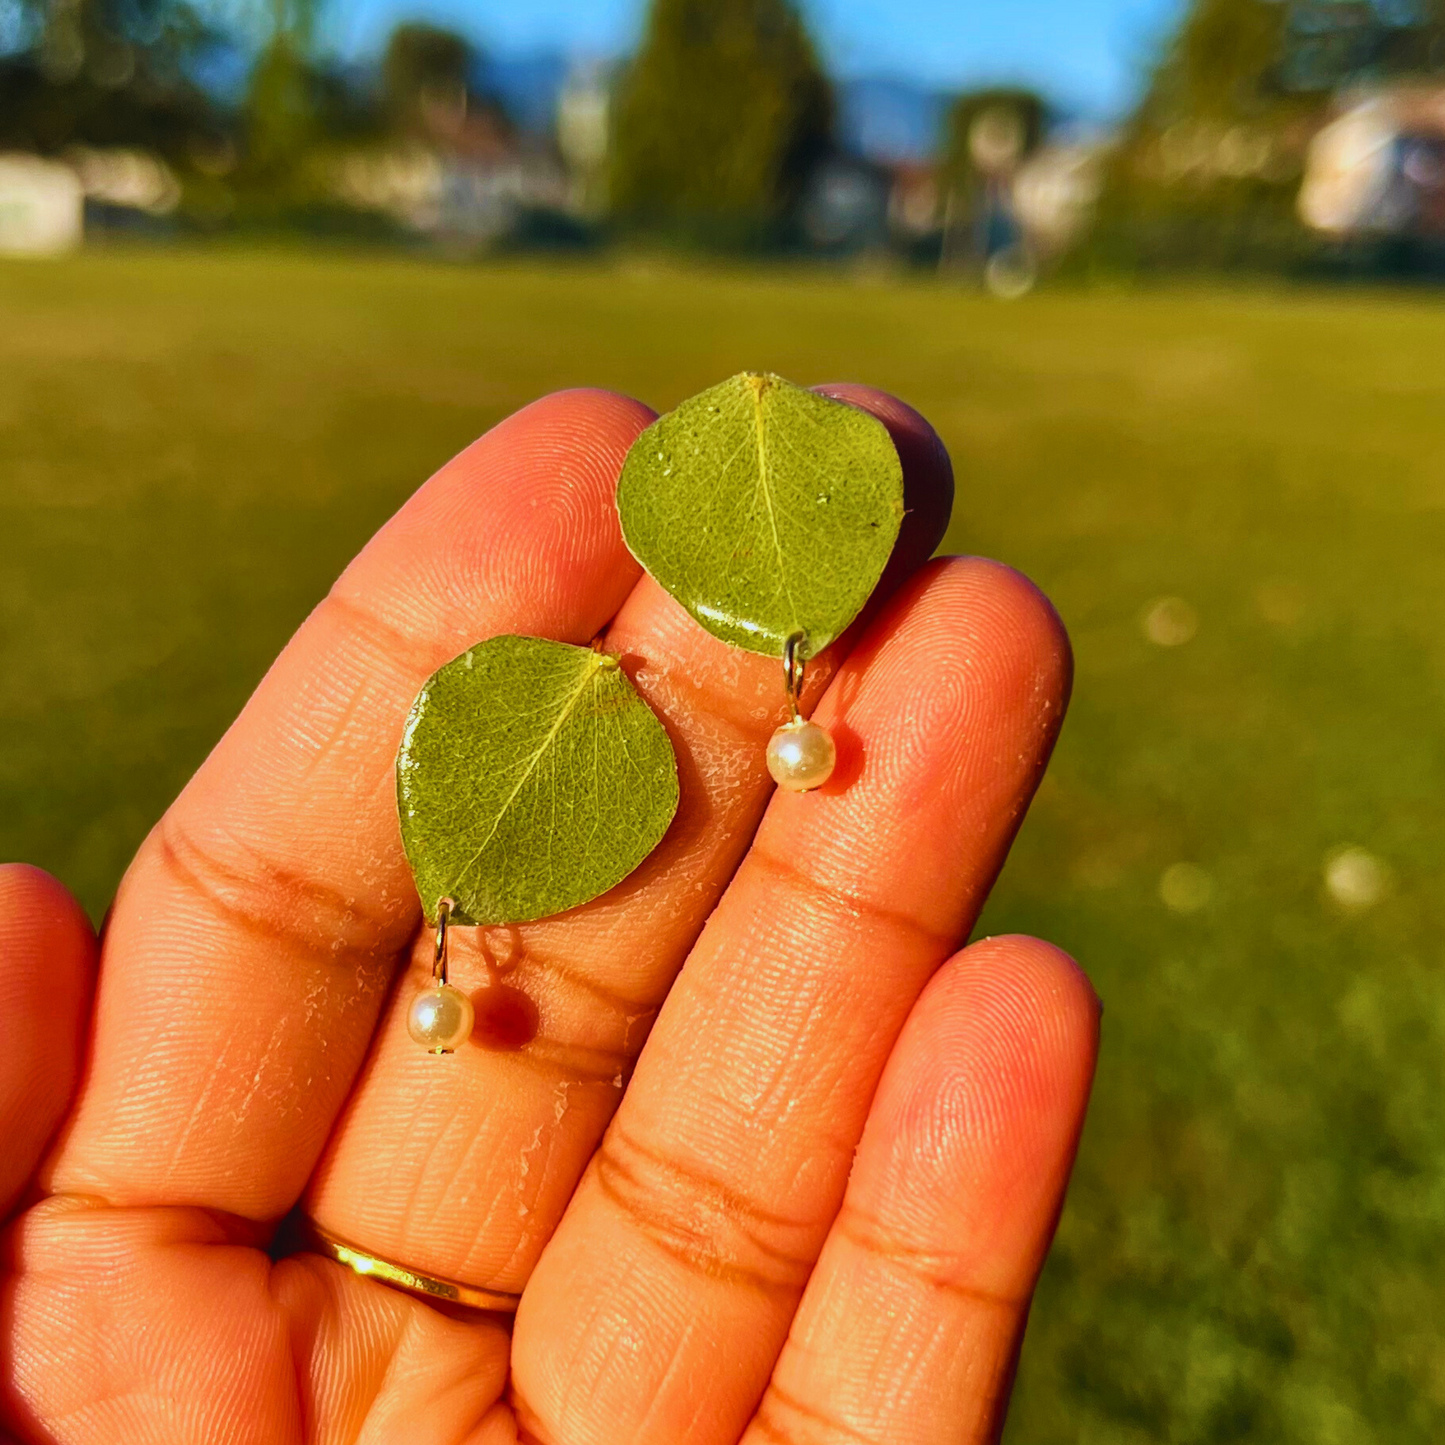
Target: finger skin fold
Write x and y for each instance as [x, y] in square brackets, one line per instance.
[694, 1232]
[158, 1327]
[908, 1332]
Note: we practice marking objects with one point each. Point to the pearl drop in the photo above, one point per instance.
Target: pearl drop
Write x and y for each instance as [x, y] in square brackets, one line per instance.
[440, 1018]
[801, 756]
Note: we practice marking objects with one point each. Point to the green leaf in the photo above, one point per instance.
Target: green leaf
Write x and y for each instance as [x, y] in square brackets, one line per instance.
[531, 778]
[764, 509]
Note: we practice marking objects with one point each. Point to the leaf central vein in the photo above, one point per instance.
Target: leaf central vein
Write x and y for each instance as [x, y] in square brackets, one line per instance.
[767, 496]
[530, 767]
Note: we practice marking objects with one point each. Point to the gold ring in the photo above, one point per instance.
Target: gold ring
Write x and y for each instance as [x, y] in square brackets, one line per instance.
[388, 1272]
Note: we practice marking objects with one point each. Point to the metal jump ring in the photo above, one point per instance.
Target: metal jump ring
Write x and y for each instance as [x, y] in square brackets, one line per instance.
[795, 652]
[439, 953]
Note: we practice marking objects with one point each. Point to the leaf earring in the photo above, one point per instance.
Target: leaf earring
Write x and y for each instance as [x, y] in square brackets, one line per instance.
[769, 512]
[531, 779]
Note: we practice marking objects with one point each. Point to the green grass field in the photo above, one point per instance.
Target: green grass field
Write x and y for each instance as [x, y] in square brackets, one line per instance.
[191, 446]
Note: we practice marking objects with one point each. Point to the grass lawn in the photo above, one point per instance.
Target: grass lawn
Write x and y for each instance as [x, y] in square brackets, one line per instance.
[191, 446]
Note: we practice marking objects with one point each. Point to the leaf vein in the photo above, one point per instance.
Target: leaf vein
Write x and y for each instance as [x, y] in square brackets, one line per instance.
[563, 713]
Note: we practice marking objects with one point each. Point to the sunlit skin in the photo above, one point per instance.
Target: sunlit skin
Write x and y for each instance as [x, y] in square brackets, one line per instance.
[804, 1200]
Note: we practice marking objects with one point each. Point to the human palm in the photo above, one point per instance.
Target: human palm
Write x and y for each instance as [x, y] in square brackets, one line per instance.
[803, 1200]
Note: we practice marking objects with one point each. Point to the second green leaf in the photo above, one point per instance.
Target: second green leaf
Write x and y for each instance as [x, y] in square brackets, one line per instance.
[765, 509]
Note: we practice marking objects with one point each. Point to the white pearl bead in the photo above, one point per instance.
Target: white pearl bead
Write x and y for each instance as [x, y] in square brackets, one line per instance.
[441, 1018]
[801, 756]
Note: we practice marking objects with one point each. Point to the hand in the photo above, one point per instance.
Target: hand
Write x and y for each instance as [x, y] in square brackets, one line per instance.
[811, 1209]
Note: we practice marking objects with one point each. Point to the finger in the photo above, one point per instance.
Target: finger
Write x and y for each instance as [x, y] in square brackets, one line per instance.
[254, 936]
[691, 1237]
[465, 1174]
[156, 1327]
[47, 972]
[910, 1325]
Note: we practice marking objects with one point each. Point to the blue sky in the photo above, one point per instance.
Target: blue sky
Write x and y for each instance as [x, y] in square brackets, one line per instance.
[1084, 53]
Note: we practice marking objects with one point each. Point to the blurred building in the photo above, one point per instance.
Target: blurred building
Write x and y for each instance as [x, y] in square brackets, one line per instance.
[1055, 192]
[845, 205]
[467, 176]
[992, 135]
[47, 205]
[450, 195]
[41, 207]
[121, 183]
[914, 202]
[584, 133]
[1378, 167]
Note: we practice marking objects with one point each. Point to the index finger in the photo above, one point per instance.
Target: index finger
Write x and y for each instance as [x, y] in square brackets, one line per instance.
[253, 938]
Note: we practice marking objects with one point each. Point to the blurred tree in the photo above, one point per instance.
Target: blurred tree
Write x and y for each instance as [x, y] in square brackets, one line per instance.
[105, 72]
[425, 74]
[1239, 58]
[1328, 43]
[280, 107]
[293, 104]
[1220, 64]
[282, 119]
[720, 119]
[296, 110]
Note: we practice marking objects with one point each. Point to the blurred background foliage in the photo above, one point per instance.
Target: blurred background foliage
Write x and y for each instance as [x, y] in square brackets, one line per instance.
[764, 120]
[1286, 136]
[105, 72]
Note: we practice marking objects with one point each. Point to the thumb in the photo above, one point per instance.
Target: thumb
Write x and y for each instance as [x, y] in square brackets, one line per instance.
[47, 976]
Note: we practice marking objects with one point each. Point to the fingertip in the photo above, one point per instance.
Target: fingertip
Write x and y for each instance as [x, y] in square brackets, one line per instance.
[1026, 629]
[956, 1187]
[590, 414]
[1007, 1034]
[579, 436]
[977, 1119]
[985, 621]
[565, 447]
[33, 902]
[47, 973]
[526, 513]
[968, 673]
[1040, 999]
[1029, 614]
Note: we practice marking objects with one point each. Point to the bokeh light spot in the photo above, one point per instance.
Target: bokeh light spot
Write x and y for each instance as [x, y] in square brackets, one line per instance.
[1355, 879]
[1169, 622]
[1185, 887]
